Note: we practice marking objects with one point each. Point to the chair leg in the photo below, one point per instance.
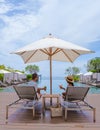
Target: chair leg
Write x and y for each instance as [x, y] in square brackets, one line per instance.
[7, 114]
[65, 114]
[94, 112]
[33, 112]
[43, 106]
[43, 111]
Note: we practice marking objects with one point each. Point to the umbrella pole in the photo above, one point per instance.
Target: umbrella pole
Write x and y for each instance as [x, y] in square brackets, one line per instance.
[51, 78]
[50, 75]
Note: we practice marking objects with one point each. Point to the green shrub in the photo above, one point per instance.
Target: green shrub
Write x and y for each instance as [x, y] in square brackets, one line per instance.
[29, 77]
[76, 78]
[1, 77]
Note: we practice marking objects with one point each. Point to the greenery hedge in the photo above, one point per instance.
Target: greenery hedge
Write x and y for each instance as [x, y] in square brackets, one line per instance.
[29, 77]
[76, 78]
[1, 77]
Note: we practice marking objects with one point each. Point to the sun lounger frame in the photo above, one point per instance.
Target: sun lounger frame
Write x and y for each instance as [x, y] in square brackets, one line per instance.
[78, 104]
[23, 101]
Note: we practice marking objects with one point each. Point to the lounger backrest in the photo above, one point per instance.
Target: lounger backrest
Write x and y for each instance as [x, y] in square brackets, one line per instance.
[26, 92]
[76, 93]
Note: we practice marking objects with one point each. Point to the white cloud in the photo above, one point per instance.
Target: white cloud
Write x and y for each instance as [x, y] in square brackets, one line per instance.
[76, 21]
[16, 26]
[16, 30]
[5, 7]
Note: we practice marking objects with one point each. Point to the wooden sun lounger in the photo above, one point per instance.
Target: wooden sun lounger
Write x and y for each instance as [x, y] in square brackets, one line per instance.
[27, 99]
[2, 84]
[75, 100]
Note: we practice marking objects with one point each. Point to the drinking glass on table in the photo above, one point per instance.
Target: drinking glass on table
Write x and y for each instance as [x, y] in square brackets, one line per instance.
[45, 88]
[60, 86]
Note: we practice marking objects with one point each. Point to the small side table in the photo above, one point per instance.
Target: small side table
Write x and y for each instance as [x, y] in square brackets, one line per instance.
[49, 96]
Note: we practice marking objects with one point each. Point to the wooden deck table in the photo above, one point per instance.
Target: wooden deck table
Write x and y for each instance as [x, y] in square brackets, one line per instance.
[51, 96]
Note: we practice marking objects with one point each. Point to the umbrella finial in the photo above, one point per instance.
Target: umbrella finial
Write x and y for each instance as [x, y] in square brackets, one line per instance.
[50, 35]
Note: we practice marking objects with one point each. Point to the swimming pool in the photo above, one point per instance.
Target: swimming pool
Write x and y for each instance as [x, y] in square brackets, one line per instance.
[55, 88]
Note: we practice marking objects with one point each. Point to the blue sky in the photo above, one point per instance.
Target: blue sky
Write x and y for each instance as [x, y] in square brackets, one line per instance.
[24, 21]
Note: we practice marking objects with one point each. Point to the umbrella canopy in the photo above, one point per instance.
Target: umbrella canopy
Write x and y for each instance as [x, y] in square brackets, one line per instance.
[80, 74]
[51, 48]
[88, 73]
[18, 72]
[60, 50]
[3, 71]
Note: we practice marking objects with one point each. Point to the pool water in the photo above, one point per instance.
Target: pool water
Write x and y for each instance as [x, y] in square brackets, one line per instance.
[56, 83]
[55, 88]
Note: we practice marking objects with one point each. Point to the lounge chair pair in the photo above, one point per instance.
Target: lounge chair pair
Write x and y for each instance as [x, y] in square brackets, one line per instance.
[75, 99]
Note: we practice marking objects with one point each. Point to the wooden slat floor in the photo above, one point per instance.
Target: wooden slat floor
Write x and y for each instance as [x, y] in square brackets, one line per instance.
[23, 118]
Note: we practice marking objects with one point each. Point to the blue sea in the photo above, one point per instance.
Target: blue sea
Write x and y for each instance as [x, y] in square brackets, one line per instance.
[55, 86]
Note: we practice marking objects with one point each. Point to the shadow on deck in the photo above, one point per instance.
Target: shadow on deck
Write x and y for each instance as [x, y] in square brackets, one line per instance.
[25, 116]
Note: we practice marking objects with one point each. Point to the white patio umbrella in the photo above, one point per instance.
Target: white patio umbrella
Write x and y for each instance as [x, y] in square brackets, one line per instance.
[88, 73]
[3, 71]
[80, 74]
[51, 48]
[18, 72]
